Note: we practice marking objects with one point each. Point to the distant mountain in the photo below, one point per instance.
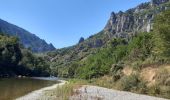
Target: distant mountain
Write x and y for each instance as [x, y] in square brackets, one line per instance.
[28, 39]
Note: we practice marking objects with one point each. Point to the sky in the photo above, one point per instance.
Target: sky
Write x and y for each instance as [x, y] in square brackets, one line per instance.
[62, 22]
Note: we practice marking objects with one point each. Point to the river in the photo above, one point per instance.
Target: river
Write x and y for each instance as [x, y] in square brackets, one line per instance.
[12, 88]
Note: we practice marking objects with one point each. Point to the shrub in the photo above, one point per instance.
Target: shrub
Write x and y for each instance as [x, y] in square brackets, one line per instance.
[154, 90]
[116, 72]
[162, 77]
[132, 83]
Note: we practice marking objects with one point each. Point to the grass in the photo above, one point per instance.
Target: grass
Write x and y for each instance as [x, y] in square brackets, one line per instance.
[65, 91]
[132, 83]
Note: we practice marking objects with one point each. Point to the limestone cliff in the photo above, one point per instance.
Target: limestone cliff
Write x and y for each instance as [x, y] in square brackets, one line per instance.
[135, 20]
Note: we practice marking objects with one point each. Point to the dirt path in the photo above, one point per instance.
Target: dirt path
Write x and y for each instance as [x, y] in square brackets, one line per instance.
[99, 93]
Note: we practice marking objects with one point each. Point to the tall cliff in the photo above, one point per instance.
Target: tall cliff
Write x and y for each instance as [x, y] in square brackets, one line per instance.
[28, 39]
[135, 20]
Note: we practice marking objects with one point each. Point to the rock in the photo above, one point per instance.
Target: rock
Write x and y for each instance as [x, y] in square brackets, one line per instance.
[134, 20]
[81, 40]
[158, 2]
[98, 43]
[88, 92]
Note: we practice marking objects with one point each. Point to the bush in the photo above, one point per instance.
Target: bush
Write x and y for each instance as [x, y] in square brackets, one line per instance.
[116, 72]
[154, 90]
[132, 83]
[140, 47]
[163, 76]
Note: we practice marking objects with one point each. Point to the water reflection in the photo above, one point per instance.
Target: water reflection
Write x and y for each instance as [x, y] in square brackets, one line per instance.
[13, 87]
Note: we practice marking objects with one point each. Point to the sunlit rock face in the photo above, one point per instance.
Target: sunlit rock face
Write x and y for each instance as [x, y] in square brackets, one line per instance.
[135, 20]
[158, 2]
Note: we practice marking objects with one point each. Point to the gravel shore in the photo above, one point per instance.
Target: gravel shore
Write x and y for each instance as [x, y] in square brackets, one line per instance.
[99, 93]
[36, 95]
[87, 92]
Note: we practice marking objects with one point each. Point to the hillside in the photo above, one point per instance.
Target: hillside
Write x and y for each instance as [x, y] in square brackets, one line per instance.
[123, 25]
[28, 39]
[132, 53]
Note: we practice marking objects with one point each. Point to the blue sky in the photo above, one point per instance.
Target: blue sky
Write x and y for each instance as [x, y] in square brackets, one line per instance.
[62, 22]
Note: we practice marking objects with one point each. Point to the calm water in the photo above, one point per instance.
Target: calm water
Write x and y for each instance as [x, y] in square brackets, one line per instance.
[12, 88]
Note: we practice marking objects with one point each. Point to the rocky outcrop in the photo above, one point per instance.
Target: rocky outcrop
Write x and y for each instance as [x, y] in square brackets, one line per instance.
[158, 2]
[135, 20]
[81, 40]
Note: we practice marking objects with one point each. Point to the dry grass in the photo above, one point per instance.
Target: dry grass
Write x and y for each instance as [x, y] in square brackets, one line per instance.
[148, 74]
[127, 71]
[105, 81]
[157, 77]
[65, 91]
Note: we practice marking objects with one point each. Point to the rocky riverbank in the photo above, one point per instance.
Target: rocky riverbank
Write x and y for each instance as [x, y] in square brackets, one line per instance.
[87, 92]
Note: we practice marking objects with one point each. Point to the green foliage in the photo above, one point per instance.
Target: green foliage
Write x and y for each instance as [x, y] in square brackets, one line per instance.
[37, 64]
[72, 69]
[9, 50]
[118, 50]
[162, 35]
[116, 72]
[154, 90]
[15, 60]
[100, 63]
[140, 47]
[28, 39]
[132, 83]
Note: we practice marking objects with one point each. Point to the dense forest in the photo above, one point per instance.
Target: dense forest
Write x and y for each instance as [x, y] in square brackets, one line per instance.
[16, 60]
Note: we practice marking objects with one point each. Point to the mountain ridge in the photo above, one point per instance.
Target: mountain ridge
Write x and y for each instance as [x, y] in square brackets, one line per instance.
[28, 39]
[127, 27]
[135, 20]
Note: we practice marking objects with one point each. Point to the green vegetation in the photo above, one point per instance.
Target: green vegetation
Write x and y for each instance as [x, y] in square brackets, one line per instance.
[28, 39]
[117, 52]
[99, 60]
[142, 51]
[99, 64]
[132, 83]
[162, 35]
[15, 60]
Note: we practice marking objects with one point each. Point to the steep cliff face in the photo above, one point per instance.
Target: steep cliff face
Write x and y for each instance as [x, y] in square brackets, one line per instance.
[135, 20]
[158, 2]
[28, 39]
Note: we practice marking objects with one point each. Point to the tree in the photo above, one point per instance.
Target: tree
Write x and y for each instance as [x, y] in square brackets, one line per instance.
[162, 34]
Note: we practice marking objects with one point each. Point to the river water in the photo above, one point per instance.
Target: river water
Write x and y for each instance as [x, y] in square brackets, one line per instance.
[12, 88]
